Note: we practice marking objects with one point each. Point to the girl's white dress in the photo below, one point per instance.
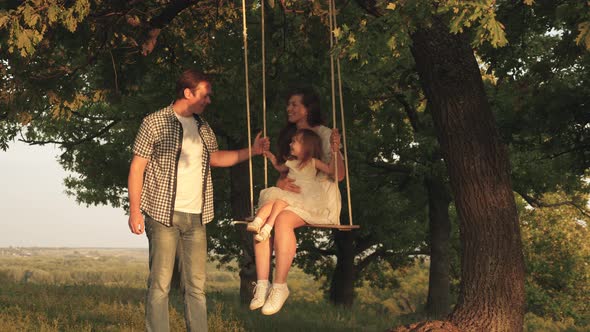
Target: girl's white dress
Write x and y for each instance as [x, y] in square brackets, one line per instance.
[319, 202]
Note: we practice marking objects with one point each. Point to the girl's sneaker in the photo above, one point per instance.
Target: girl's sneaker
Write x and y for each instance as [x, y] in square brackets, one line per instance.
[264, 233]
[255, 225]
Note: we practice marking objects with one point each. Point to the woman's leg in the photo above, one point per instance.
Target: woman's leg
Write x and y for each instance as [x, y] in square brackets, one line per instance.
[285, 243]
[262, 256]
[285, 246]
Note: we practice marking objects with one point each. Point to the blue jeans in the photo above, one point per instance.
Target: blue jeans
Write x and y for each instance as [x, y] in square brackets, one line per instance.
[188, 236]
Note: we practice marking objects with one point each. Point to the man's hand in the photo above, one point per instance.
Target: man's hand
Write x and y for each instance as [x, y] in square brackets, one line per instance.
[260, 145]
[288, 185]
[136, 223]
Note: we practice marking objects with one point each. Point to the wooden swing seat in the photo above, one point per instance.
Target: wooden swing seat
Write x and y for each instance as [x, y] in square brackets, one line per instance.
[344, 228]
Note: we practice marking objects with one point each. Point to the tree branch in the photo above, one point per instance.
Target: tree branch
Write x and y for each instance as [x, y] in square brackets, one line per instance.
[362, 244]
[67, 144]
[370, 6]
[314, 250]
[369, 259]
[410, 111]
[555, 155]
[159, 22]
[94, 118]
[63, 70]
[391, 167]
[380, 253]
[537, 203]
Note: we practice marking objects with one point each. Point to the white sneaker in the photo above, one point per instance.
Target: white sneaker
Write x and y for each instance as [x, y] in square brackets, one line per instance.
[255, 225]
[275, 300]
[261, 291]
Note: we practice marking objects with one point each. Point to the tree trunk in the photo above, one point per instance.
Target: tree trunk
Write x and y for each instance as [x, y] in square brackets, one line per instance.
[240, 205]
[342, 284]
[439, 293]
[492, 286]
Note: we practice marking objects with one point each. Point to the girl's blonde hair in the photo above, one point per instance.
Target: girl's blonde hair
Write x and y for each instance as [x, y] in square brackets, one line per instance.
[311, 145]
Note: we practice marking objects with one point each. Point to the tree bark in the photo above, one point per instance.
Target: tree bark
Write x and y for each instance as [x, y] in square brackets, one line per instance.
[342, 284]
[439, 291]
[240, 205]
[492, 286]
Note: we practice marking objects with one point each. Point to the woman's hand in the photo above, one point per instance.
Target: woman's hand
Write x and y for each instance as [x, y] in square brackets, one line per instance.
[335, 140]
[288, 184]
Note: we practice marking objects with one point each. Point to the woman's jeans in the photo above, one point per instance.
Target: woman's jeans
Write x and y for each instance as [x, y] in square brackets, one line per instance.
[188, 236]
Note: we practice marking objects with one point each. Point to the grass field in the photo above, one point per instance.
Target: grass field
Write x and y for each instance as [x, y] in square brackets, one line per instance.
[104, 290]
[67, 289]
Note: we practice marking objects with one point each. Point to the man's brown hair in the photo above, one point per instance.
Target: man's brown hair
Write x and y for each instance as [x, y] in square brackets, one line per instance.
[189, 79]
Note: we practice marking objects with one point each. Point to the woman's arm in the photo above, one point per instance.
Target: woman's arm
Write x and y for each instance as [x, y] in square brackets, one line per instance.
[335, 145]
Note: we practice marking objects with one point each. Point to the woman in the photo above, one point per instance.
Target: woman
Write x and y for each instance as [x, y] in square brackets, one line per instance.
[303, 111]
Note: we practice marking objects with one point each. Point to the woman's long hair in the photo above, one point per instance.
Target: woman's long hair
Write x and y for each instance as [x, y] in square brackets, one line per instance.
[311, 101]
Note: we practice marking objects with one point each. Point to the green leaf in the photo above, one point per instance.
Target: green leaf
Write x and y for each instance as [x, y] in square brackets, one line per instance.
[584, 35]
[52, 13]
[4, 17]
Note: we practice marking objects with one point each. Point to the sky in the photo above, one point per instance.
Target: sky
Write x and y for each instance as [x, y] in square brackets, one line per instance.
[36, 212]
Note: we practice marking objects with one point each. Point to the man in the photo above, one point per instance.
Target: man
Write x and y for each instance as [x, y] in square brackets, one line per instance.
[170, 183]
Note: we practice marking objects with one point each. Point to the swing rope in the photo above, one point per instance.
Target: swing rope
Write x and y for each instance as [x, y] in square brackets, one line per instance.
[332, 76]
[248, 106]
[264, 94]
[333, 40]
[332, 28]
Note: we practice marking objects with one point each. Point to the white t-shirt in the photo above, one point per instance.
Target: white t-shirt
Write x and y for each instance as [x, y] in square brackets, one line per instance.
[189, 180]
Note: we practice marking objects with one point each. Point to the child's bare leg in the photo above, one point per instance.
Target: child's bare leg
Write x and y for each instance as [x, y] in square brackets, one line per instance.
[277, 208]
[264, 232]
[260, 218]
[265, 210]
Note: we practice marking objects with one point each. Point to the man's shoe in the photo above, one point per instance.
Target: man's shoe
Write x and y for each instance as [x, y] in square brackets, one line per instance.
[261, 291]
[276, 299]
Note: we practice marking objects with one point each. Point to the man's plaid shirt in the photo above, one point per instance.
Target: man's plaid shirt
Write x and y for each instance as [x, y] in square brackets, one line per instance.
[160, 141]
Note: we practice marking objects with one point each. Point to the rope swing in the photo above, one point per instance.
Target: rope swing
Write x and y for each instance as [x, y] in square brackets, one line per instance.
[248, 106]
[333, 40]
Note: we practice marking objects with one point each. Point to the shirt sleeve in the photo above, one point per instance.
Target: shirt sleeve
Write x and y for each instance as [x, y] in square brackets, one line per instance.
[212, 144]
[144, 141]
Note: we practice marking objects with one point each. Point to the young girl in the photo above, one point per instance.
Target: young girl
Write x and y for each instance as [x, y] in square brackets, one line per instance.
[303, 166]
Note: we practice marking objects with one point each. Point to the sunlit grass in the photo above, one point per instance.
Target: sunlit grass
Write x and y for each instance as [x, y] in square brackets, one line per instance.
[97, 291]
[104, 290]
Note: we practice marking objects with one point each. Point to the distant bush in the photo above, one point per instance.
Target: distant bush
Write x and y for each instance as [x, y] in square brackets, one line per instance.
[406, 296]
[534, 323]
[557, 254]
